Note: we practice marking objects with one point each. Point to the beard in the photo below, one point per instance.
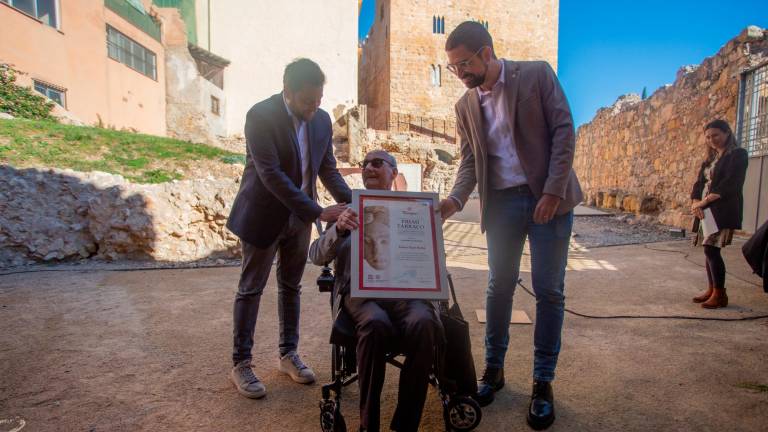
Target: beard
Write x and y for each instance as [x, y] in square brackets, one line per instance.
[472, 80]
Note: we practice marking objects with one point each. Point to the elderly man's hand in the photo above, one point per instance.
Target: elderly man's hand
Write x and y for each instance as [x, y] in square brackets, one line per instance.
[347, 221]
[331, 213]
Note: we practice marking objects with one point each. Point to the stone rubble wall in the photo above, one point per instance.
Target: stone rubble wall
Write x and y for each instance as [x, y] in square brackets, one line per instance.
[643, 156]
[51, 214]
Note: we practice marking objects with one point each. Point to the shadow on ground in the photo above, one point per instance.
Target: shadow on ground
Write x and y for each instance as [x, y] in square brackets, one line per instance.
[149, 350]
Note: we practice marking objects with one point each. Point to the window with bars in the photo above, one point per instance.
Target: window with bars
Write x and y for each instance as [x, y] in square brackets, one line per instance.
[44, 10]
[56, 94]
[130, 53]
[438, 24]
[215, 105]
[753, 111]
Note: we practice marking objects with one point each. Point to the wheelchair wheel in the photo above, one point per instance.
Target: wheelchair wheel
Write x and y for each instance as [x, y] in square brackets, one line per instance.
[462, 414]
[331, 419]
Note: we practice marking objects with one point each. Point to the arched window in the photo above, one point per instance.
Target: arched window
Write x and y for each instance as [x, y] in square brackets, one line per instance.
[438, 24]
[432, 75]
[435, 75]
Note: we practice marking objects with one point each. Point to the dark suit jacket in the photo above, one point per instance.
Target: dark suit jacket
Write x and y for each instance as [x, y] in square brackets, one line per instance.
[755, 251]
[271, 186]
[542, 127]
[727, 181]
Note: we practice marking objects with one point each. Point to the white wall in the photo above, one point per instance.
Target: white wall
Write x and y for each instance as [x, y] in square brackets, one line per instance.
[260, 37]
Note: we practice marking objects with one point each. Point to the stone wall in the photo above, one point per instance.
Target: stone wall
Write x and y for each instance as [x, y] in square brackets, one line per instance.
[395, 69]
[643, 156]
[55, 215]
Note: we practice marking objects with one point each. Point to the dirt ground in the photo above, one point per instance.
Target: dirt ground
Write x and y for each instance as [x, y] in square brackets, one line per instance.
[149, 350]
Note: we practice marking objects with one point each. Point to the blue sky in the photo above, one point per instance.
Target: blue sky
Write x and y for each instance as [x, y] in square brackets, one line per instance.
[610, 48]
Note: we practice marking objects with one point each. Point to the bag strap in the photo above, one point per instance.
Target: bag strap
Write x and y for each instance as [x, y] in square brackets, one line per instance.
[453, 292]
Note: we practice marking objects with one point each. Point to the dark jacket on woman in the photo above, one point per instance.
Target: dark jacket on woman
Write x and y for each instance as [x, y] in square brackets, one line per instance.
[727, 181]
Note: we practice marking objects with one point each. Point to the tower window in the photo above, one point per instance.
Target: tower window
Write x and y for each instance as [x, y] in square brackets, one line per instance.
[435, 75]
[438, 24]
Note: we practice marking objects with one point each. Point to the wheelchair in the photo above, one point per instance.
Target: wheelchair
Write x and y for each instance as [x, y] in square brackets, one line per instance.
[460, 412]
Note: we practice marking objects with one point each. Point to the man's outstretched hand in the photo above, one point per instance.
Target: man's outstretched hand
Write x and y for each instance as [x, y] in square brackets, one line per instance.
[448, 208]
[331, 213]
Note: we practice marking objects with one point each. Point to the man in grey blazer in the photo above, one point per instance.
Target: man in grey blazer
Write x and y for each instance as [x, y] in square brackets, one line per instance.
[288, 146]
[517, 147]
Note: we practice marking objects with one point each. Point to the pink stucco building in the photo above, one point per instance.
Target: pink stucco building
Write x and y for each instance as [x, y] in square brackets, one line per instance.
[103, 60]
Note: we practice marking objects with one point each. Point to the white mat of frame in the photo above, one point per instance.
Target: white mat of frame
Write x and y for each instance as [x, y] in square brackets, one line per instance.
[518, 316]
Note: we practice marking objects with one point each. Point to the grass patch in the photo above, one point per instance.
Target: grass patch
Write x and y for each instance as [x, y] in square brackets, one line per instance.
[760, 388]
[234, 159]
[138, 157]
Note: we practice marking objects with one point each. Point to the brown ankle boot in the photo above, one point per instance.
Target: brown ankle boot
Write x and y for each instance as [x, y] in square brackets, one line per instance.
[704, 297]
[719, 299]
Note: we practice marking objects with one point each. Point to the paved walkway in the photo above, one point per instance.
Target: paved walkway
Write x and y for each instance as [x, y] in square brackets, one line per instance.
[149, 350]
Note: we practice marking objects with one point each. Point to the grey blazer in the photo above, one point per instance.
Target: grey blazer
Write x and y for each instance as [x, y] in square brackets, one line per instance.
[270, 189]
[542, 127]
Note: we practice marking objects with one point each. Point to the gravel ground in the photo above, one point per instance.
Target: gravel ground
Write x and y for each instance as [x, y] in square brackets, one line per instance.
[619, 229]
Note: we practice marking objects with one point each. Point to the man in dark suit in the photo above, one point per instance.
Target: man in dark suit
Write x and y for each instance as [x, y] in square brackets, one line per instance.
[517, 147]
[288, 142]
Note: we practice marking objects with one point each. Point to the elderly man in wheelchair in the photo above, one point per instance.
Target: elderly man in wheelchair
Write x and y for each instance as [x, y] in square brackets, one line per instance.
[409, 326]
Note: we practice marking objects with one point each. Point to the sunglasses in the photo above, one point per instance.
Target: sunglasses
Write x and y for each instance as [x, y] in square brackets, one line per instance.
[376, 162]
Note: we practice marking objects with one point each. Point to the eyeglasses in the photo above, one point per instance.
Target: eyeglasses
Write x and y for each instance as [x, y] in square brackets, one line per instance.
[376, 162]
[456, 67]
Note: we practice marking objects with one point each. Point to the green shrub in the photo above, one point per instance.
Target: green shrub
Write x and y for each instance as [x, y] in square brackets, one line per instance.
[20, 101]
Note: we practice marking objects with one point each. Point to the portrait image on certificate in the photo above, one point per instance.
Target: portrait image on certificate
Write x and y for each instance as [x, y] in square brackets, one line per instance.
[397, 251]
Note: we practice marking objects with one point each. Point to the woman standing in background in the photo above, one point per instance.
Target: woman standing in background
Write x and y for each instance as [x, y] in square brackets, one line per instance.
[718, 188]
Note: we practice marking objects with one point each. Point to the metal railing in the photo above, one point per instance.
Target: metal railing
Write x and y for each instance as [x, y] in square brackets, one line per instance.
[435, 128]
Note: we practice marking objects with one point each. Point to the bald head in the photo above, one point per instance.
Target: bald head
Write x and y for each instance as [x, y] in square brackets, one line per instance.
[379, 170]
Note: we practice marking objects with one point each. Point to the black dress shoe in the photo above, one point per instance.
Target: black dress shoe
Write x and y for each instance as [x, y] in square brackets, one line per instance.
[491, 382]
[541, 411]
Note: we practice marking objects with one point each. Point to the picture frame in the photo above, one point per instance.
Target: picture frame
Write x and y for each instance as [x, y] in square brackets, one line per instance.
[398, 250]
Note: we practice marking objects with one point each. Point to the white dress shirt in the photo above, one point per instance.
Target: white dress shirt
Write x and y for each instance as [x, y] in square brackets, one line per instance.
[300, 127]
[504, 169]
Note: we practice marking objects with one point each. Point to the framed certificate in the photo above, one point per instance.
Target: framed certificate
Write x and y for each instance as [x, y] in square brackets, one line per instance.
[397, 251]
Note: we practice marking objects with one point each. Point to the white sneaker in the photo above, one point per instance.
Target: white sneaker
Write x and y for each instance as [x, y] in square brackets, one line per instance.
[246, 382]
[292, 365]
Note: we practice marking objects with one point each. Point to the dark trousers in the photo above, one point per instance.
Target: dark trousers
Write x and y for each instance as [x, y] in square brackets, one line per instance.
[410, 326]
[715, 266]
[291, 250]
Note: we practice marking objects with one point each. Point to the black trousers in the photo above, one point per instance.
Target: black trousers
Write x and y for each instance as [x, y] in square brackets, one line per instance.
[410, 326]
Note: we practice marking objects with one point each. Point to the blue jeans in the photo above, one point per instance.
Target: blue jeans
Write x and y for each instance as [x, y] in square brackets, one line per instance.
[509, 220]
